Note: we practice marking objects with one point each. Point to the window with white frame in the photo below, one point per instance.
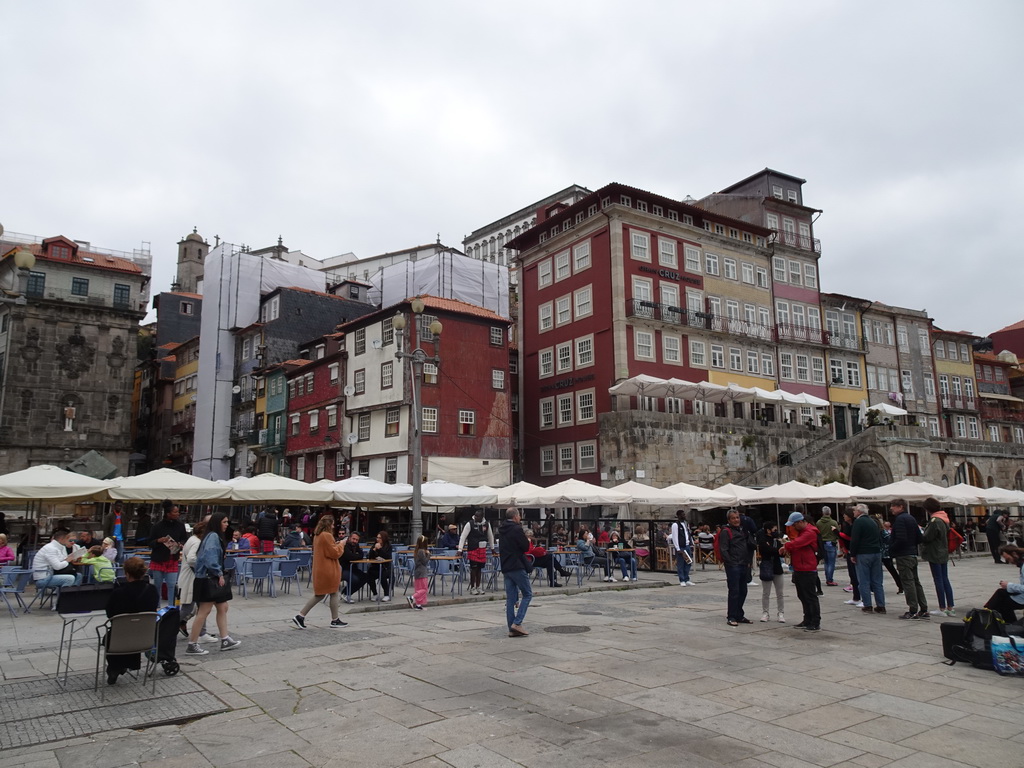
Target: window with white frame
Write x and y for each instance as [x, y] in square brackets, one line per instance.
[391, 417]
[767, 364]
[467, 422]
[563, 355]
[929, 387]
[640, 246]
[430, 373]
[643, 290]
[584, 351]
[902, 340]
[922, 340]
[779, 269]
[547, 461]
[951, 350]
[853, 373]
[497, 378]
[944, 385]
[360, 341]
[835, 369]
[735, 359]
[391, 469]
[587, 457]
[802, 369]
[566, 465]
[545, 317]
[957, 389]
[964, 354]
[968, 387]
[818, 370]
[710, 263]
[320, 462]
[339, 464]
[908, 383]
[314, 420]
[940, 350]
[547, 363]
[671, 348]
[810, 276]
[972, 428]
[794, 273]
[513, 365]
[387, 375]
[693, 259]
[697, 354]
[300, 468]
[581, 257]
[245, 349]
[1018, 434]
[332, 372]
[753, 363]
[747, 272]
[643, 342]
[547, 413]
[584, 302]
[562, 269]
[332, 416]
[673, 405]
[497, 336]
[993, 434]
[717, 356]
[667, 255]
[729, 269]
[563, 310]
[564, 410]
[786, 365]
[544, 274]
[363, 431]
[293, 421]
[762, 277]
[961, 426]
[359, 381]
[387, 332]
[585, 410]
[933, 426]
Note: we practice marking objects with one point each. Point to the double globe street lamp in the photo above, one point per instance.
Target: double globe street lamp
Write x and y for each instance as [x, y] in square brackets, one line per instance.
[417, 356]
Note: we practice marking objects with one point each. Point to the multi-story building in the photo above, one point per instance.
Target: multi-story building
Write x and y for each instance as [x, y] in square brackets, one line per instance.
[68, 334]
[315, 447]
[192, 252]
[954, 367]
[626, 282]
[1010, 338]
[183, 418]
[1002, 413]
[273, 437]
[465, 411]
[847, 387]
[178, 316]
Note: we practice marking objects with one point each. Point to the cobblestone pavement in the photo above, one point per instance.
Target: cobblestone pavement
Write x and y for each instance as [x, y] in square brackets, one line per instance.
[659, 679]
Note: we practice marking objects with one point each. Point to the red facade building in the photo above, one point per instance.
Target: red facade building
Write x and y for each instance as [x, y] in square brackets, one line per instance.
[314, 443]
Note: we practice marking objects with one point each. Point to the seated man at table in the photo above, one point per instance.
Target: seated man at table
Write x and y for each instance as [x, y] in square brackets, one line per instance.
[625, 560]
[250, 537]
[52, 564]
[84, 539]
[544, 559]
[356, 573]
[296, 538]
[450, 539]
[102, 568]
[133, 595]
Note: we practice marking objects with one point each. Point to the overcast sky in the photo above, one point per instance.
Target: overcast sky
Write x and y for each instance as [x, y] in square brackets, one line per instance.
[372, 127]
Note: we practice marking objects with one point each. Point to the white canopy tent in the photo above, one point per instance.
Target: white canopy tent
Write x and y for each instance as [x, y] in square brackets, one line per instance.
[888, 410]
[743, 494]
[270, 488]
[793, 492]
[705, 391]
[516, 495]
[694, 496]
[365, 491]
[647, 495]
[46, 482]
[989, 497]
[167, 483]
[441, 493]
[576, 493]
[904, 489]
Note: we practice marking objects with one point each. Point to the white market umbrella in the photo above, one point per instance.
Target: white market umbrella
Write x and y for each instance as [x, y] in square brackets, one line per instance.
[973, 495]
[793, 492]
[521, 494]
[840, 493]
[441, 493]
[271, 488]
[167, 483]
[640, 385]
[49, 483]
[743, 494]
[647, 494]
[904, 489]
[576, 493]
[360, 489]
[888, 410]
[702, 498]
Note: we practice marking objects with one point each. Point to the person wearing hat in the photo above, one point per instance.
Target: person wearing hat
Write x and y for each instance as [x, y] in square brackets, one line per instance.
[450, 538]
[829, 529]
[805, 568]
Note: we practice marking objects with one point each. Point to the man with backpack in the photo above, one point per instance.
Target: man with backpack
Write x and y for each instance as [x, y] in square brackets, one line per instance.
[906, 536]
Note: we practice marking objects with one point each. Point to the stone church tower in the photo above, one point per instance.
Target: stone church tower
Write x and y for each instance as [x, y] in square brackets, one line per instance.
[192, 252]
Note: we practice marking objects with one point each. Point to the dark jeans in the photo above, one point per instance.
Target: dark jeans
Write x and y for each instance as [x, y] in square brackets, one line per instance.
[887, 562]
[993, 545]
[851, 569]
[943, 589]
[736, 576]
[807, 593]
[912, 590]
[1003, 604]
[683, 567]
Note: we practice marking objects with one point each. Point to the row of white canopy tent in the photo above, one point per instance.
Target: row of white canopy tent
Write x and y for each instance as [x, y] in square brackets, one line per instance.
[643, 385]
[49, 483]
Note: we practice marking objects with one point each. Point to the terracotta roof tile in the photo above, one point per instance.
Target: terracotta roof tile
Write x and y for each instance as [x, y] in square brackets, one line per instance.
[1018, 326]
[85, 259]
[454, 305]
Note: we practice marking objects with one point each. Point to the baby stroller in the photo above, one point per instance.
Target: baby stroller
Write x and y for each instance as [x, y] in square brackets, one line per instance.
[168, 619]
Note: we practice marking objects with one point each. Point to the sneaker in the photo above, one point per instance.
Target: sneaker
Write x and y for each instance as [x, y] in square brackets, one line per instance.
[801, 625]
[764, 616]
[909, 616]
[859, 604]
[348, 600]
[879, 609]
[867, 609]
[555, 585]
[940, 612]
[385, 599]
[299, 621]
[744, 621]
[419, 607]
[848, 588]
[690, 584]
[412, 603]
[831, 583]
[338, 624]
[683, 584]
[812, 629]
[208, 639]
[851, 601]
[518, 631]
[183, 630]
[950, 612]
[732, 623]
[195, 649]
[782, 618]
[228, 644]
[923, 615]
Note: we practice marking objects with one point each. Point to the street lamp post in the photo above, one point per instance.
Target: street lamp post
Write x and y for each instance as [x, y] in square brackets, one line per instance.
[417, 357]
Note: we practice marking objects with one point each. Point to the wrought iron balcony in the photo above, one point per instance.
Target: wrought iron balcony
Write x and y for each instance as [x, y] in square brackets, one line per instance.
[793, 240]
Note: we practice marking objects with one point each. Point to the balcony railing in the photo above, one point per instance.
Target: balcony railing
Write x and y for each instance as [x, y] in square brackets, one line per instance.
[793, 240]
[997, 413]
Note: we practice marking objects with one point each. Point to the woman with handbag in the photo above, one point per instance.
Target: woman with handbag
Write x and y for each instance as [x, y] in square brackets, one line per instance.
[326, 573]
[211, 588]
[768, 545]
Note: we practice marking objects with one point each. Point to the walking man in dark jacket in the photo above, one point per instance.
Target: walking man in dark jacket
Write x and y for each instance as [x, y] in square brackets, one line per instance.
[512, 545]
[267, 527]
[906, 535]
[735, 545]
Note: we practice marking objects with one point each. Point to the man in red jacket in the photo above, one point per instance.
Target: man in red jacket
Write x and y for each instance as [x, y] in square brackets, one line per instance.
[805, 569]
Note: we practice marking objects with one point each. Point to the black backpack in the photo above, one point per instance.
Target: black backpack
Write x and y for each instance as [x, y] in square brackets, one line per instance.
[980, 625]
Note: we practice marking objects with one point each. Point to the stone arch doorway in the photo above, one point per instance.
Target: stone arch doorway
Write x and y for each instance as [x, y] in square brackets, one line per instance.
[968, 473]
[870, 470]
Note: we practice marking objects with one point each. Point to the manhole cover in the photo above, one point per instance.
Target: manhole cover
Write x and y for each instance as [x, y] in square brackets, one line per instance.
[590, 613]
[568, 629]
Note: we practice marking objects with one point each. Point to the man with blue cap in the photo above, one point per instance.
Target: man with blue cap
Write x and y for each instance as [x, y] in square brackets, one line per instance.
[801, 549]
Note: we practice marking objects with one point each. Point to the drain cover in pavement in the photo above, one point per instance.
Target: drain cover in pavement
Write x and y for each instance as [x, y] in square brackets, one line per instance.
[568, 629]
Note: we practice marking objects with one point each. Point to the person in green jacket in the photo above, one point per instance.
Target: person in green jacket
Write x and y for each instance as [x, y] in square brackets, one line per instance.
[935, 552]
[866, 555]
[102, 569]
[829, 530]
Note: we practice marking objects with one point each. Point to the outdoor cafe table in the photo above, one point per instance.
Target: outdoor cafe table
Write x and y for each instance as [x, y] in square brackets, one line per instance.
[456, 573]
[348, 583]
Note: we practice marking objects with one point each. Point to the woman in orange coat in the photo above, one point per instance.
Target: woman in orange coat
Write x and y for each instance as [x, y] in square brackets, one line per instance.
[326, 573]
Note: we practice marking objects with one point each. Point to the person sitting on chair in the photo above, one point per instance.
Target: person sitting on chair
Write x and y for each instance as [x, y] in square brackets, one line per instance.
[133, 595]
[102, 568]
[54, 557]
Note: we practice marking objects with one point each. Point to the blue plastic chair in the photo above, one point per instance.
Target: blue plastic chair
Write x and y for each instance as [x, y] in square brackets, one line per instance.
[14, 583]
[259, 572]
[442, 569]
[288, 571]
